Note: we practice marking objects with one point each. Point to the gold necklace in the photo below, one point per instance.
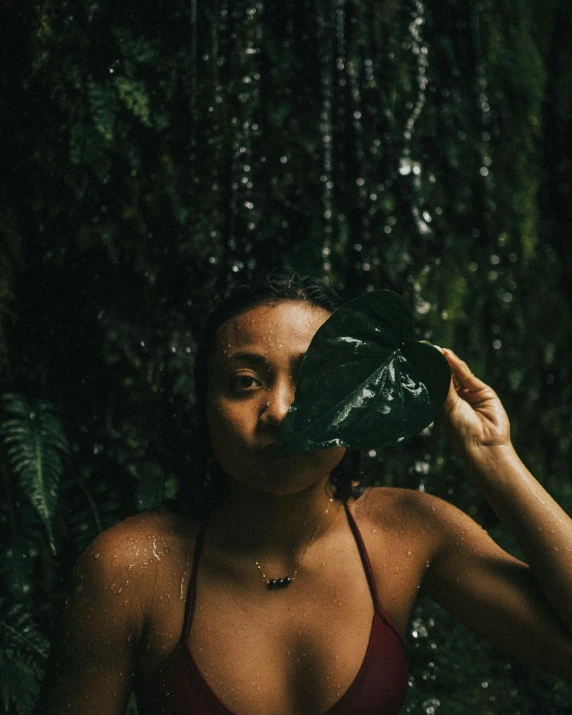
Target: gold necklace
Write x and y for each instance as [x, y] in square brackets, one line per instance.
[275, 584]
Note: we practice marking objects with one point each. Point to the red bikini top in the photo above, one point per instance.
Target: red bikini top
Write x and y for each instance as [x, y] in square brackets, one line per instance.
[379, 687]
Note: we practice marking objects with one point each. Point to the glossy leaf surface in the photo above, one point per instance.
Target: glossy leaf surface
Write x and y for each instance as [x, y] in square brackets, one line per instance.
[365, 381]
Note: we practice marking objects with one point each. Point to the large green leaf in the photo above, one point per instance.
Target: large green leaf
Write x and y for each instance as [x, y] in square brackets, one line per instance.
[365, 381]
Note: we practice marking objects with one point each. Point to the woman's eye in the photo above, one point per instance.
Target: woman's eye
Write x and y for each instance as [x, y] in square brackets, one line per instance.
[244, 382]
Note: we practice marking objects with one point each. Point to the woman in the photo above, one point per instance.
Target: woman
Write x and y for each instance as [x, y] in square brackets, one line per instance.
[273, 590]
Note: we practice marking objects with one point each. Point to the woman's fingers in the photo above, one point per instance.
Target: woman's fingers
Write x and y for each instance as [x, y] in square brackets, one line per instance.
[473, 414]
[463, 378]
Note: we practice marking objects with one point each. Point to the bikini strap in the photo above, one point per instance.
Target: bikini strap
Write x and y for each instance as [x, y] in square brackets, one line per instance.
[192, 588]
[369, 574]
[366, 562]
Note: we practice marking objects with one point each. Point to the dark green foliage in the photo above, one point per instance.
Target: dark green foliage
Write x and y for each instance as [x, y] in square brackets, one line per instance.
[23, 651]
[34, 444]
[365, 382]
[158, 152]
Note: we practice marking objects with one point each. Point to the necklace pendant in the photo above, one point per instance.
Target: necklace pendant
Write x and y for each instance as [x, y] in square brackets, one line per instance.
[275, 584]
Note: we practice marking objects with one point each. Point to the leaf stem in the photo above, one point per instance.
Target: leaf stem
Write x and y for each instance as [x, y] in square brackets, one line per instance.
[20, 636]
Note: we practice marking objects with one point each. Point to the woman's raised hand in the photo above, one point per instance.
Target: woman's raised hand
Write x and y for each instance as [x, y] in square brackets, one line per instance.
[473, 414]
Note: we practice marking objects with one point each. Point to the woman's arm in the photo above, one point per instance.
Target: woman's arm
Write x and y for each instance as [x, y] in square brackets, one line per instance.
[480, 431]
[91, 664]
[527, 608]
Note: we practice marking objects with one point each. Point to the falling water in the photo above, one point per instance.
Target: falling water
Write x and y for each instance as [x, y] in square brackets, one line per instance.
[326, 130]
[408, 166]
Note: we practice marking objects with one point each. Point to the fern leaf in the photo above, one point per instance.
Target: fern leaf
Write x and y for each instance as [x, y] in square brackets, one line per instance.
[34, 442]
[23, 651]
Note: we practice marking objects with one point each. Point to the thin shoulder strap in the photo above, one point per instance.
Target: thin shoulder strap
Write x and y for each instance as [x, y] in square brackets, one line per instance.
[192, 588]
[365, 561]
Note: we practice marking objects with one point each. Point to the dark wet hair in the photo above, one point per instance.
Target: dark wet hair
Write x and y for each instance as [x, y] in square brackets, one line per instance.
[204, 488]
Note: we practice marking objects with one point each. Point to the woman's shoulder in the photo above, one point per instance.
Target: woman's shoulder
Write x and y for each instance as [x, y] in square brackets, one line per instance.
[374, 499]
[408, 508]
[137, 536]
[128, 557]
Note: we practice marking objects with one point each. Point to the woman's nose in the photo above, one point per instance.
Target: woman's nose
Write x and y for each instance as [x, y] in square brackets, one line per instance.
[277, 404]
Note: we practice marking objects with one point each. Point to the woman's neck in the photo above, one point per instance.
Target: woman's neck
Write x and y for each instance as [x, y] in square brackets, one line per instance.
[274, 525]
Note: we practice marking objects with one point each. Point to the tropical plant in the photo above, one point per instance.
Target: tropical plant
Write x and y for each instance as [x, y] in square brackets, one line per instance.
[23, 651]
[35, 444]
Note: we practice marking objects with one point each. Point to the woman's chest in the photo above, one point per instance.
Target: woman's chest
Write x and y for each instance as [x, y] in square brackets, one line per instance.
[293, 651]
[297, 650]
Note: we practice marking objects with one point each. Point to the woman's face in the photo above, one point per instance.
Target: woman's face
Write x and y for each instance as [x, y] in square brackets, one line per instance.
[252, 377]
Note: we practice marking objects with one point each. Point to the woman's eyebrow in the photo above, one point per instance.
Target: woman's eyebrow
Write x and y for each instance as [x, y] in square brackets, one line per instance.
[249, 357]
[260, 359]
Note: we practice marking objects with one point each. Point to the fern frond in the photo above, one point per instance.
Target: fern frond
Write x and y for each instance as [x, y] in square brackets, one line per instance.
[19, 634]
[34, 442]
[23, 651]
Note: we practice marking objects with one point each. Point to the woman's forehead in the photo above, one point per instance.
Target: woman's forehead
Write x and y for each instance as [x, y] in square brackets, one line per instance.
[287, 324]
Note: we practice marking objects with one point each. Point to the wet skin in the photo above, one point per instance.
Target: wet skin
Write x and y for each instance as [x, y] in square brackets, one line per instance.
[251, 386]
[296, 651]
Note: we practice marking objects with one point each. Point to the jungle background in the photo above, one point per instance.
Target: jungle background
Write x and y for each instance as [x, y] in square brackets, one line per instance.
[155, 153]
